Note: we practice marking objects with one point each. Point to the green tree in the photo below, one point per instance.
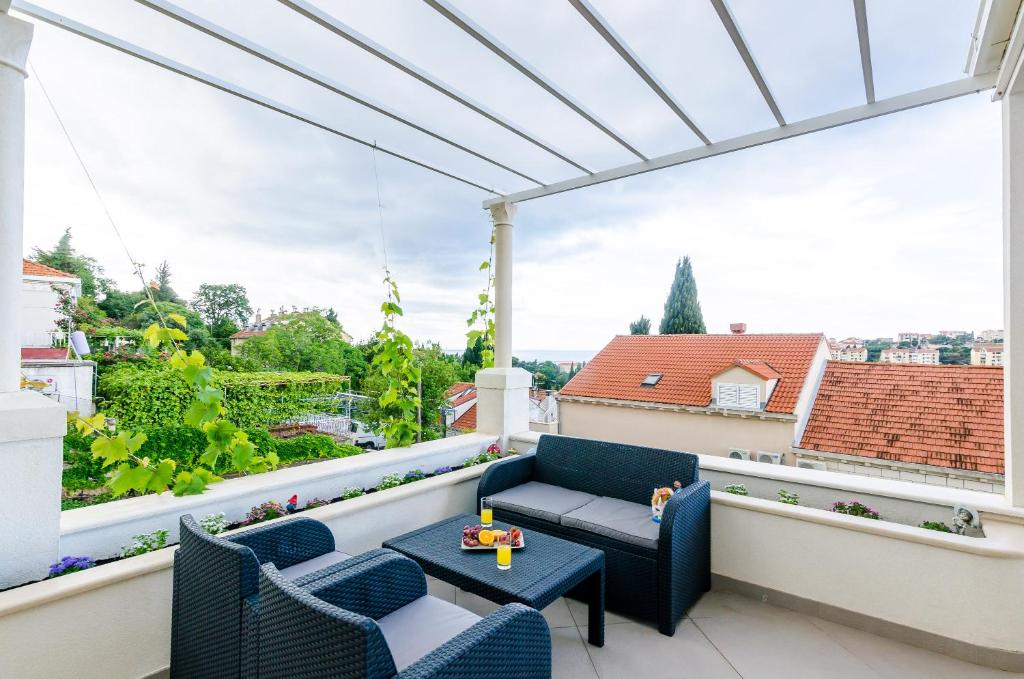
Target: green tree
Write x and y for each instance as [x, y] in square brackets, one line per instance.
[64, 257]
[146, 315]
[682, 309]
[120, 305]
[306, 341]
[165, 293]
[217, 303]
[641, 326]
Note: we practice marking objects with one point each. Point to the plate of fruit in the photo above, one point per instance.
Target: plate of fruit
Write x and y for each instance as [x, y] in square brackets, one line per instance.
[477, 537]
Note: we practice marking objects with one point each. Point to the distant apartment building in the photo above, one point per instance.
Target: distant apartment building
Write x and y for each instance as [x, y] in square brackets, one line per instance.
[544, 411]
[914, 337]
[908, 422]
[713, 394]
[912, 356]
[955, 333]
[852, 342]
[987, 354]
[847, 352]
[991, 335]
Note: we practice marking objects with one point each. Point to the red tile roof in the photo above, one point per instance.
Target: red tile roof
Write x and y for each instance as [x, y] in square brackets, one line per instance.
[941, 415]
[44, 353]
[30, 268]
[759, 368]
[687, 363]
[468, 420]
[246, 334]
[459, 387]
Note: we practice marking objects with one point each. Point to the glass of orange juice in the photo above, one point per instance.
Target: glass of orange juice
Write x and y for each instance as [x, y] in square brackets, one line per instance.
[504, 550]
[486, 512]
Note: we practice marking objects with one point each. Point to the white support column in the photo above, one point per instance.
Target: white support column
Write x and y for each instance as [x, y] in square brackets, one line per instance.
[503, 214]
[1013, 283]
[503, 392]
[31, 425]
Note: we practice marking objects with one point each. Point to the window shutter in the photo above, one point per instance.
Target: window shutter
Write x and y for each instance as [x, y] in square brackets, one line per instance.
[748, 397]
[742, 396]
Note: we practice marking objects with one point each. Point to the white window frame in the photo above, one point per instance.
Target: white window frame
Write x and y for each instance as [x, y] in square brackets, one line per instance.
[740, 396]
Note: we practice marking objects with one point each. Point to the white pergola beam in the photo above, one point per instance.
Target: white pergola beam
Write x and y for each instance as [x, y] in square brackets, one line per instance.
[860, 11]
[187, 71]
[748, 59]
[342, 30]
[479, 34]
[233, 39]
[902, 102]
[605, 30]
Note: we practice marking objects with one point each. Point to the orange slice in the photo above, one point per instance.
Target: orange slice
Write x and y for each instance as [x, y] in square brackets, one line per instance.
[486, 537]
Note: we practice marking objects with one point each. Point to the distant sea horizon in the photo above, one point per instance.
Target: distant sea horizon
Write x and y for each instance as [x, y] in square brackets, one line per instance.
[553, 355]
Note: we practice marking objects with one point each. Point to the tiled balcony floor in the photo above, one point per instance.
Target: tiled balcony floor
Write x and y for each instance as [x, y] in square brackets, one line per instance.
[728, 636]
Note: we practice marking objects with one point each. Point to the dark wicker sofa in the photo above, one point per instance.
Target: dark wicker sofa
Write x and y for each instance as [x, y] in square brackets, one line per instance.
[598, 493]
[215, 610]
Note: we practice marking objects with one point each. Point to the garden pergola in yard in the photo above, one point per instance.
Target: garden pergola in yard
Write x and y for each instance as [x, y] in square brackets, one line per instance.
[30, 427]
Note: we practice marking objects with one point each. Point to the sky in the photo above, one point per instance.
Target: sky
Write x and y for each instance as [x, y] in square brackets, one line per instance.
[871, 229]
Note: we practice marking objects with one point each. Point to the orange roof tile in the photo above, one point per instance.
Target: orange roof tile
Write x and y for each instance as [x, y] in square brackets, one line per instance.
[941, 415]
[759, 368]
[687, 363]
[468, 420]
[30, 268]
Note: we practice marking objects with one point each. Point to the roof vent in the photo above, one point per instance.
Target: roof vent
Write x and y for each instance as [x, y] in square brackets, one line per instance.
[737, 328]
[651, 380]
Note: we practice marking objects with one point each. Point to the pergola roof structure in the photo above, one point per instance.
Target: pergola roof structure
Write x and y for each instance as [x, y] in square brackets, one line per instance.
[987, 46]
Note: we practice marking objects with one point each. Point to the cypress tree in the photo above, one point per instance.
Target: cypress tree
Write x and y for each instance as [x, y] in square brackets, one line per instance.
[641, 326]
[682, 310]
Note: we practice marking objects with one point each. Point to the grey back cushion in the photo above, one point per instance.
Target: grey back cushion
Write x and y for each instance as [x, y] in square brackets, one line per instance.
[416, 629]
[616, 519]
[314, 564]
[540, 500]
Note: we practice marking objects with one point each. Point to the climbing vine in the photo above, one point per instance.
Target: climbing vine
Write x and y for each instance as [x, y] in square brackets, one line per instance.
[117, 449]
[483, 316]
[395, 361]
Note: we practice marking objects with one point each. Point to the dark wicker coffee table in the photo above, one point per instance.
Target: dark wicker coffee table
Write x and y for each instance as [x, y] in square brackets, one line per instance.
[545, 569]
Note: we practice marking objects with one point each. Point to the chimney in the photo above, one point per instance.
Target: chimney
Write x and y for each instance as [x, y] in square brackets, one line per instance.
[737, 328]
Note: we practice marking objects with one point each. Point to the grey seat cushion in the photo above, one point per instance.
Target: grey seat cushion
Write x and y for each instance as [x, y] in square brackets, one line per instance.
[314, 564]
[541, 500]
[617, 519]
[416, 629]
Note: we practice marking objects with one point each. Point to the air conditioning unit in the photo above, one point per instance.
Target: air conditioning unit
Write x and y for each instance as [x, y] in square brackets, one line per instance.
[769, 458]
[812, 464]
[739, 454]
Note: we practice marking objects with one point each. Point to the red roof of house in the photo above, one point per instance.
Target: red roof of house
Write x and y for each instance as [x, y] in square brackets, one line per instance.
[687, 363]
[759, 368]
[246, 334]
[44, 353]
[30, 268]
[460, 387]
[941, 415]
[468, 420]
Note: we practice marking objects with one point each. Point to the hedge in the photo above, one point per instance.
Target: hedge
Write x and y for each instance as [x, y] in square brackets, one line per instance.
[253, 399]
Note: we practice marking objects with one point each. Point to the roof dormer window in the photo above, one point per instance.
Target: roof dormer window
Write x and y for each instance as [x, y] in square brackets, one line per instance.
[651, 380]
[739, 396]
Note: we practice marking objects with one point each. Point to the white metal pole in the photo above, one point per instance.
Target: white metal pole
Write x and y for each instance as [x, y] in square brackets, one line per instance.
[15, 38]
[503, 214]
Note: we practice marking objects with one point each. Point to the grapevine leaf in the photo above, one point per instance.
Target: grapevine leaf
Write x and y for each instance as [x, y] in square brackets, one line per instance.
[127, 477]
[163, 475]
[199, 413]
[110, 449]
[179, 319]
[134, 442]
[485, 265]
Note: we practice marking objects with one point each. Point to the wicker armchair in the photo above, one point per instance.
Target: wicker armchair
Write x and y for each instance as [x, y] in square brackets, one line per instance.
[657, 579]
[366, 622]
[216, 604]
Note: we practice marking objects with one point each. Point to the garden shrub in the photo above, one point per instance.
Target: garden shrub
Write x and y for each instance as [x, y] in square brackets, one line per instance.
[736, 489]
[352, 492]
[315, 502]
[252, 399]
[936, 525]
[264, 512]
[214, 524]
[313, 447]
[414, 475]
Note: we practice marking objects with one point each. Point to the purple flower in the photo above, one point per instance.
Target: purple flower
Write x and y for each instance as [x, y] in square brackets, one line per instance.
[70, 564]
